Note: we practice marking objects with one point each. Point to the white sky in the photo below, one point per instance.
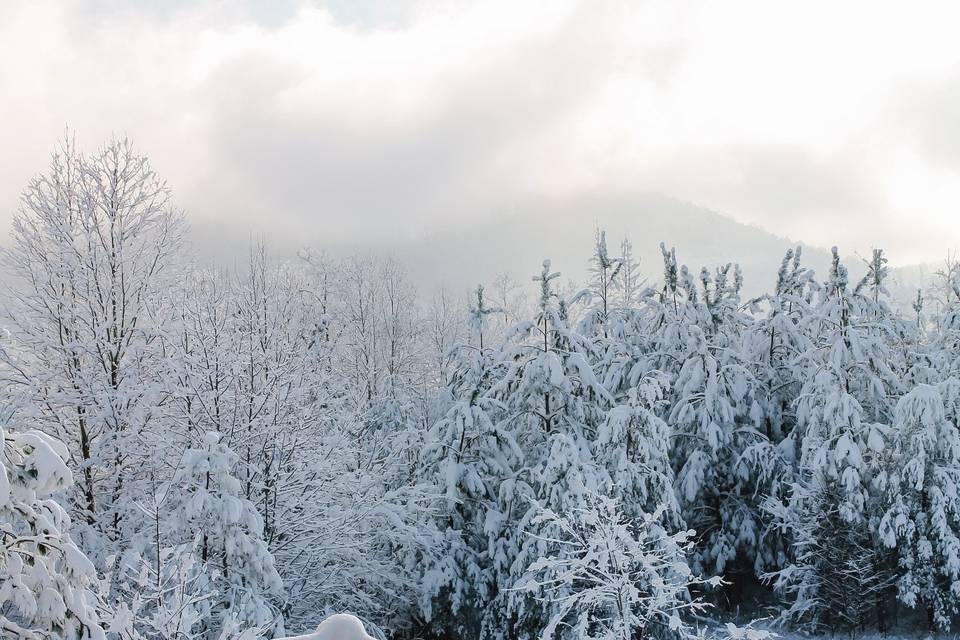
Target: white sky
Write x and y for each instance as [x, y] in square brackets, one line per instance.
[829, 122]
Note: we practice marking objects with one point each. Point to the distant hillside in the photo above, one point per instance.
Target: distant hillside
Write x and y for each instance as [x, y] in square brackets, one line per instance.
[564, 233]
[516, 241]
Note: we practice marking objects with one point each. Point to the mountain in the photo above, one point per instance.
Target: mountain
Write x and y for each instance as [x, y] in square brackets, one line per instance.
[460, 254]
[516, 244]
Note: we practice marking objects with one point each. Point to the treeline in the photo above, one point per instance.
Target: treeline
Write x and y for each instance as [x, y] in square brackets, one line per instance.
[241, 451]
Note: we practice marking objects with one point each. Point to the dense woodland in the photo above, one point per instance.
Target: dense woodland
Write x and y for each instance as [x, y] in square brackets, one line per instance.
[197, 452]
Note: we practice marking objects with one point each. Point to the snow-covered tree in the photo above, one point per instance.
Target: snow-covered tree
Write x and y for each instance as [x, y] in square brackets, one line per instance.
[92, 252]
[47, 585]
[630, 281]
[720, 454]
[832, 504]
[920, 481]
[610, 577]
[468, 453]
[837, 574]
[554, 403]
[775, 344]
[632, 446]
[171, 596]
[777, 340]
[852, 379]
[604, 272]
[228, 533]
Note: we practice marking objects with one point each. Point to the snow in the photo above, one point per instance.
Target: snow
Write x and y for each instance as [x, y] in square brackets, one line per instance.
[339, 626]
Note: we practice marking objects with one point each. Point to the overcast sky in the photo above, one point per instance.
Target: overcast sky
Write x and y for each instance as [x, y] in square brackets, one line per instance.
[829, 122]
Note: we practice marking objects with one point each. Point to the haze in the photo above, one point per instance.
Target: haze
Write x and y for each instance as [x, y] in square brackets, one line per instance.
[376, 124]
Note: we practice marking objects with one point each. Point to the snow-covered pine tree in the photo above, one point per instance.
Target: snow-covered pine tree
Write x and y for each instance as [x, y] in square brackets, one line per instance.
[632, 445]
[921, 352]
[851, 365]
[616, 322]
[47, 585]
[673, 313]
[851, 381]
[554, 406]
[873, 283]
[713, 417]
[673, 318]
[478, 314]
[837, 573]
[880, 333]
[467, 455]
[707, 420]
[775, 342]
[604, 273]
[630, 282]
[228, 533]
[920, 484]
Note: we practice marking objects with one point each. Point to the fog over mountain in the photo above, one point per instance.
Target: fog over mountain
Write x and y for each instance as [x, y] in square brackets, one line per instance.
[379, 122]
[458, 257]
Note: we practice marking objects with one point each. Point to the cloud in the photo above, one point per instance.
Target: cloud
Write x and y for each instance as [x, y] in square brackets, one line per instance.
[788, 189]
[929, 115]
[336, 121]
[403, 161]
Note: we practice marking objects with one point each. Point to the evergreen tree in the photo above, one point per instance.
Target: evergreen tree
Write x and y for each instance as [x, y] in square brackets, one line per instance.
[720, 455]
[837, 574]
[47, 585]
[554, 405]
[629, 284]
[228, 533]
[468, 454]
[920, 482]
[633, 447]
[851, 378]
[775, 343]
[604, 273]
[778, 339]
[832, 502]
